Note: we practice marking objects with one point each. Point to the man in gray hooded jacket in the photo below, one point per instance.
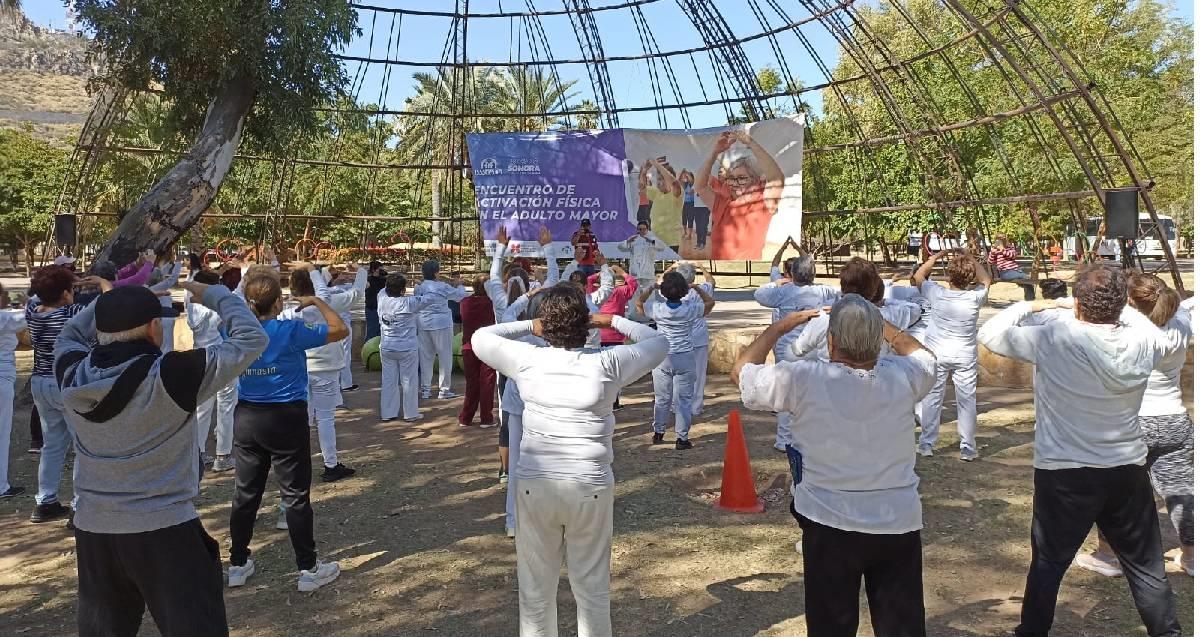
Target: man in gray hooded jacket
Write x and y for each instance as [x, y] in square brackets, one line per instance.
[139, 540]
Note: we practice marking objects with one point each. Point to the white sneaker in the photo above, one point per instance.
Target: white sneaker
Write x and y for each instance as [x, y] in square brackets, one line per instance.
[425, 395]
[238, 574]
[510, 532]
[281, 522]
[925, 450]
[416, 418]
[800, 546]
[1105, 567]
[967, 454]
[324, 573]
[447, 394]
[781, 448]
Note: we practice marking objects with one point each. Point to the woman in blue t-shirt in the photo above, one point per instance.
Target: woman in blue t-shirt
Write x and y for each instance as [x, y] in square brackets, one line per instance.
[271, 429]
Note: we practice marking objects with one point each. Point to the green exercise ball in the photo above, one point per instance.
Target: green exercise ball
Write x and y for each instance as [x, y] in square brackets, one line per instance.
[370, 355]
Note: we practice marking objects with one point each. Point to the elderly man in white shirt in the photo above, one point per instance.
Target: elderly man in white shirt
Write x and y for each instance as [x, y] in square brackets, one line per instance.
[1088, 452]
[565, 499]
[643, 248]
[794, 293]
[435, 325]
[857, 502]
[398, 348]
[206, 332]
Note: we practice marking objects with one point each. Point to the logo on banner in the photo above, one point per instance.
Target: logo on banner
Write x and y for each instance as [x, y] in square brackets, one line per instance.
[524, 167]
[488, 166]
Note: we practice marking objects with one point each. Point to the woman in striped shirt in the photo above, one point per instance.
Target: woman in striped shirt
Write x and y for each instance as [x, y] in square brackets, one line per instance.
[48, 311]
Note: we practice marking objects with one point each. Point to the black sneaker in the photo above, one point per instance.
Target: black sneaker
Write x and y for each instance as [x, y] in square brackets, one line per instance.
[618, 407]
[657, 439]
[350, 388]
[12, 492]
[333, 474]
[48, 512]
[683, 444]
[71, 522]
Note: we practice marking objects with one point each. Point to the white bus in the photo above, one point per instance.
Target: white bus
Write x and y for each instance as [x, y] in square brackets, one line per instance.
[1147, 244]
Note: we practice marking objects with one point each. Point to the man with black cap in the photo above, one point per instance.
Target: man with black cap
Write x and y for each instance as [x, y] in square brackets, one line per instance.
[139, 540]
[586, 247]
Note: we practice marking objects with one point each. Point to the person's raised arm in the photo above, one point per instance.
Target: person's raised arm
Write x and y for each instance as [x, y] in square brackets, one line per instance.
[496, 346]
[982, 275]
[709, 301]
[337, 328]
[606, 282]
[631, 362]
[498, 260]
[703, 186]
[812, 338]
[643, 296]
[170, 278]
[76, 338]
[138, 278]
[922, 274]
[775, 262]
[1004, 335]
[756, 353]
[901, 342]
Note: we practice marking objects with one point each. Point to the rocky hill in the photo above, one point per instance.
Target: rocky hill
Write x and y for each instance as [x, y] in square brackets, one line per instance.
[43, 79]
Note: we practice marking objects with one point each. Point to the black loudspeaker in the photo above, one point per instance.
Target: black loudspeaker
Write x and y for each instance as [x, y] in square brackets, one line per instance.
[1120, 214]
[64, 230]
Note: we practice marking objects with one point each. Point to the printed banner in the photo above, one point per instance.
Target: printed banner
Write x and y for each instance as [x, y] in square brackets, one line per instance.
[731, 193]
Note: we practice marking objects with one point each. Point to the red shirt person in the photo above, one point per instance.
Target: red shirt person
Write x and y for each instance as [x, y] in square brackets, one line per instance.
[743, 197]
[476, 312]
[585, 246]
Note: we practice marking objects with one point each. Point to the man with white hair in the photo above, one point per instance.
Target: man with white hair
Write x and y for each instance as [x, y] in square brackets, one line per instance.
[857, 501]
[435, 325]
[139, 541]
[1088, 454]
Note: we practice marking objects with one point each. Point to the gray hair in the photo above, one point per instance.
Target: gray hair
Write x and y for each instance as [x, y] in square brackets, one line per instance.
[732, 160]
[687, 270]
[139, 333]
[857, 328]
[430, 268]
[804, 270]
[105, 270]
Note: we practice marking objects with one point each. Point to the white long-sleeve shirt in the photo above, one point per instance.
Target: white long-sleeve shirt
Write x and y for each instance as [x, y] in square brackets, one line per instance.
[642, 254]
[398, 320]
[437, 316]
[813, 344]
[568, 393]
[953, 320]
[909, 294]
[854, 429]
[1163, 396]
[1090, 382]
[677, 322]
[700, 327]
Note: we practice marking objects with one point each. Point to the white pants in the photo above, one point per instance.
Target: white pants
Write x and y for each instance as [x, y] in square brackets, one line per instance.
[964, 374]
[398, 387]
[674, 380]
[441, 344]
[223, 403]
[514, 454]
[7, 392]
[168, 328]
[701, 354]
[347, 375]
[557, 518]
[323, 394]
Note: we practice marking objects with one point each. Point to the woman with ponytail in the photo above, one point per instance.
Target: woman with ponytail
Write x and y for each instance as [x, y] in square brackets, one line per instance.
[1166, 428]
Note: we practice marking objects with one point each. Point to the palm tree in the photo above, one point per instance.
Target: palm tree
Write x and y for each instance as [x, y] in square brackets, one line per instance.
[530, 93]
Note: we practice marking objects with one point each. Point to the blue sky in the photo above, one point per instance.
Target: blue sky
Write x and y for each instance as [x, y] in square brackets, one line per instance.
[423, 38]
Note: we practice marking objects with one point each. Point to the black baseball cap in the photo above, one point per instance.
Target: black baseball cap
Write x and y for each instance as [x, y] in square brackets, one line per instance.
[585, 222]
[125, 308]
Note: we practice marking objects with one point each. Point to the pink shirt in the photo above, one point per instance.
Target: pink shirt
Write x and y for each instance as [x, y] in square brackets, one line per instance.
[615, 305]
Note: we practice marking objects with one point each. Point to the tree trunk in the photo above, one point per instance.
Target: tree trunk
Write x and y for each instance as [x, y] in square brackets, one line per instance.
[176, 202]
[29, 248]
[885, 253]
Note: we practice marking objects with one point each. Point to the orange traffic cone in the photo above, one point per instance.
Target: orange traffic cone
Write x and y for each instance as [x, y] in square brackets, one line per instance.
[737, 481]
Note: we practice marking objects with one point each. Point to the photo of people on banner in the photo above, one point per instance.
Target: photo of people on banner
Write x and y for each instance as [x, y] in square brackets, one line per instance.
[731, 193]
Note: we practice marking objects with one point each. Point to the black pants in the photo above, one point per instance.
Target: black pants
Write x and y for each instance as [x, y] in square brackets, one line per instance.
[643, 214]
[1066, 502]
[835, 564]
[269, 435]
[175, 571]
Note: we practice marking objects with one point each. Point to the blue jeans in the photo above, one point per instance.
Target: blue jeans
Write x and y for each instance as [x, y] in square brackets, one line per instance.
[674, 379]
[1011, 275]
[795, 463]
[57, 437]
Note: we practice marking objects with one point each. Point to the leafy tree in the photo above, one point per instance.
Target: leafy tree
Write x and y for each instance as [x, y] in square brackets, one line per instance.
[31, 175]
[224, 67]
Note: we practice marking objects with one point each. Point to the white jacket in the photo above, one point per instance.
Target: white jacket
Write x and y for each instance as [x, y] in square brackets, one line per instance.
[643, 251]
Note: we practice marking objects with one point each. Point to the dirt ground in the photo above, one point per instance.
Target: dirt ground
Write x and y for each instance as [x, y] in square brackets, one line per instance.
[419, 534]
